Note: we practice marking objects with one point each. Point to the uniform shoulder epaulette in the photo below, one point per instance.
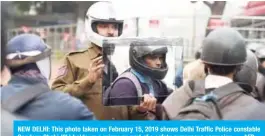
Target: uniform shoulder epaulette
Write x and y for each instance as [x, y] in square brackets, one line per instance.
[76, 52]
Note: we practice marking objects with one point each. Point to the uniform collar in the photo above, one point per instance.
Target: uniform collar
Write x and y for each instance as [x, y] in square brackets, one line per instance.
[215, 81]
[95, 51]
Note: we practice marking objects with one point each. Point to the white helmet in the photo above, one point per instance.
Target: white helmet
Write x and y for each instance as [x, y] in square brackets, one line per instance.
[100, 12]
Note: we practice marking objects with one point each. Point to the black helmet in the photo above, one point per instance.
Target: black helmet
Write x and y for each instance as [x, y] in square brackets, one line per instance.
[248, 73]
[140, 49]
[225, 47]
[254, 46]
[260, 52]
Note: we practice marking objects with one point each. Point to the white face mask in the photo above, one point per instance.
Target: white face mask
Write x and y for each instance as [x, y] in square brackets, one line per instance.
[45, 67]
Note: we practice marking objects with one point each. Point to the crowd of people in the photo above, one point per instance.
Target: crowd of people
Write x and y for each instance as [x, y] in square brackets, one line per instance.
[225, 81]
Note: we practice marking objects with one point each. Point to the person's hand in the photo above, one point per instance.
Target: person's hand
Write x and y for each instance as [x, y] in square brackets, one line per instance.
[148, 104]
[95, 69]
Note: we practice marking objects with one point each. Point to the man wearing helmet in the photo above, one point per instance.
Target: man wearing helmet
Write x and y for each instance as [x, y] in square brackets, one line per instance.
[142, 80]
[223, 53]
[28, 58]
[81, 74]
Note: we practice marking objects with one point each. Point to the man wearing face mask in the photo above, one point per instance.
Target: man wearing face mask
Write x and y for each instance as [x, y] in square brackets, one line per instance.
[81, 75]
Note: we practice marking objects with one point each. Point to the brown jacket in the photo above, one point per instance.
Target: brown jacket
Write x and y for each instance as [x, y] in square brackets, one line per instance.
[177, 100]
[72, 78]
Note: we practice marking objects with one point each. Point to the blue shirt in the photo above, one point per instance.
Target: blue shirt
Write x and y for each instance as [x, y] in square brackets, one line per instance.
[145, 80]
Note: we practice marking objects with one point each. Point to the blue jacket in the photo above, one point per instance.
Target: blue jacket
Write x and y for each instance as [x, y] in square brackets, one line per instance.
[51, 105]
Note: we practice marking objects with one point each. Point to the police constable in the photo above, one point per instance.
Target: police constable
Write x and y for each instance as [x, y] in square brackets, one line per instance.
[81, 75]
[223, 53]
[27, 93]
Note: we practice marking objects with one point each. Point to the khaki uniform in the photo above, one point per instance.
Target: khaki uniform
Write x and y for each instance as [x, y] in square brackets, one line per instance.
[194, 71]
[177, 100]
[73, 79]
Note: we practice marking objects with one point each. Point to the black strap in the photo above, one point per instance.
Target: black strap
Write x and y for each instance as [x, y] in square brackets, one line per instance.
[15, 102]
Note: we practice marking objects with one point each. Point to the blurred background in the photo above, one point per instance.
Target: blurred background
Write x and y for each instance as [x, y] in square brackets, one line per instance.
[61, 23]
